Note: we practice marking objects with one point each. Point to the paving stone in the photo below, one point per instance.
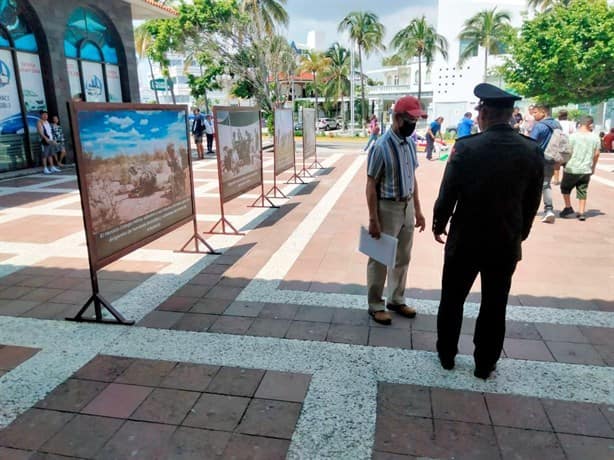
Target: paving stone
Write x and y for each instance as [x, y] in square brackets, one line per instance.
[191, 377]
[15, 292]
[518, 330]
[406, 435]
[104, 368]
[240, 308]
[51, 310]
[231, 325]
[608, 412]
[266, 417]
[178, 303]
[344, 333]
[350, 317]
[598, 335]
[606, 352]
[585, 448]
[404, 400]
[195, 444]
[72, 395]
[146, 372]
[561, 333]
[196, 322]
[424, 340]
[464, 406]
[236, 381]
[83, 436]
[32, 429]
[469, 441]
[11, 356]
[389, 456]
[6, 453]
[534, 350]
[516, 444]
[318, 314]
[217, 412]
[307, 330]
[517, 411]
[278, 311]
[223, 292]
[117, 400]
[394, 338]
[264, 327]
[577, 418]
[243, 447]
[138, 441]
[42, 294]
[160, 319]
[166, 406]
[206, 279]
[283, 386]
[575, 353]
[193, 291]
[18, 307]
[211, 306]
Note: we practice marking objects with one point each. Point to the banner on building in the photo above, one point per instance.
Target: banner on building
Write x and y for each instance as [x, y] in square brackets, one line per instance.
[283, 140]
[93, 81]
[74, 80]
[309, 133]
[239, 150]
[31, 82]
[134, 174]
[114, 83]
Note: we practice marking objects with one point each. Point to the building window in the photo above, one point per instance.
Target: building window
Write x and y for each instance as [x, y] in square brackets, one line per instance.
[91, 58]
[427, 78]
[396, 79]
[464, 43]
[22, 92]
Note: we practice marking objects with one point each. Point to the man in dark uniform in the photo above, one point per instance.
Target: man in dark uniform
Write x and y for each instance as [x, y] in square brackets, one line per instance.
[491, 189]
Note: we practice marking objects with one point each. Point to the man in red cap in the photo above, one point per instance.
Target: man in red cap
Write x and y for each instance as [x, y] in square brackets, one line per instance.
[394, 208]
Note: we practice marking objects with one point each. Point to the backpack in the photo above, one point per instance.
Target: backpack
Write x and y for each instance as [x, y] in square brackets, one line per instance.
[558, 148]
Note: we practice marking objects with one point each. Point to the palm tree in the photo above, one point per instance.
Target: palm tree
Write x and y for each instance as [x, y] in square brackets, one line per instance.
[367, 32]
[544, 5]
[420, 39]
[338, 81]
[314, 62]
[488, 29]
[142, 41]
[268, 13]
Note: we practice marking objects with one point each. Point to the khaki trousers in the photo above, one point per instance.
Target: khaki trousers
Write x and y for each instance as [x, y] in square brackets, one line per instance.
[396, 219]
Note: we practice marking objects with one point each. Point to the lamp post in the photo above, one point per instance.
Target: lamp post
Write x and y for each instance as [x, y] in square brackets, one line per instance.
[352, 89]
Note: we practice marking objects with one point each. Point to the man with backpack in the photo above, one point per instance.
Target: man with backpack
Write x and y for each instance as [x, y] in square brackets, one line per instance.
[555, 145]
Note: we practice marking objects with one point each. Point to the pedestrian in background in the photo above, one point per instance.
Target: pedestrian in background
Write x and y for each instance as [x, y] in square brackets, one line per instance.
[568, 127]
[209, 132]
[374, 131]
[464, 126]
[58, 137]
[490, 191]
[198, 129]
[432, 131]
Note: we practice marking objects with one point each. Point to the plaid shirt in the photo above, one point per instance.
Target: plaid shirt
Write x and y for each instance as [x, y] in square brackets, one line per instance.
[392, 162]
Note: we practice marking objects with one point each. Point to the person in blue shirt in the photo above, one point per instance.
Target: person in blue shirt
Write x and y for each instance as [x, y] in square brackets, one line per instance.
[542, 132]
[464, 126]
[431, 133]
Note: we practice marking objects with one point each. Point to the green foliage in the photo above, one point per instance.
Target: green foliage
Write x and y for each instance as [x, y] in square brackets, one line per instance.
[565, 54]
[299, 104]
[243, 89]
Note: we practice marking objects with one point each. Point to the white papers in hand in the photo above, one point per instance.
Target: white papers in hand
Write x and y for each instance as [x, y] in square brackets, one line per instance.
[383, 250]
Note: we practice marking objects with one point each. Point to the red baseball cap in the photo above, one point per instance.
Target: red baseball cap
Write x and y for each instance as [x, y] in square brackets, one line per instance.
[409, 105]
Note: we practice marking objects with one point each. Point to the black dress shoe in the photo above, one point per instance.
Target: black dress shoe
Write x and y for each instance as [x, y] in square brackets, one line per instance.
[446, 363]
[484, 372]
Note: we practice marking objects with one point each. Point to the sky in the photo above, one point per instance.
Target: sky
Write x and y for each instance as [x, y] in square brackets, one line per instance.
[324, 16]
[108, 133]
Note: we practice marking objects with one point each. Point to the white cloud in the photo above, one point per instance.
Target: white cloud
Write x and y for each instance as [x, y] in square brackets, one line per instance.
[123, 123]
[154, 130]
[144, 122]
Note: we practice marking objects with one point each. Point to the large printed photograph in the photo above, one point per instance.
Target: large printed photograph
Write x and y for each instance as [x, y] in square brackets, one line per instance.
[309, 133]
[134, 167]
[239, 150]
[284, 140]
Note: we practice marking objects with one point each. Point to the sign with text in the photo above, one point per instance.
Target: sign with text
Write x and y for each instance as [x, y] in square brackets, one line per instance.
[31, 82]
[93, 81]
[283, 140]
[309, 133]
[239, 149]
[134, 177]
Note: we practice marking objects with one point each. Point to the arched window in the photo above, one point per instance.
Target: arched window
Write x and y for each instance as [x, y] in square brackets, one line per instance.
[91, 58]
[22, 92]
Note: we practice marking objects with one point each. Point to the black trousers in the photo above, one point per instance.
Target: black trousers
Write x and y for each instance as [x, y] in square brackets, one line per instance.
[209, 143]
[459, 273]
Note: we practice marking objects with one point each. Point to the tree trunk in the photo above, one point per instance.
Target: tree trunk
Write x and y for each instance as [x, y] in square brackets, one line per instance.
[362, 88]
[153, 80]
[420, 77]
[485, 64]
[342, 112]
[315, 93]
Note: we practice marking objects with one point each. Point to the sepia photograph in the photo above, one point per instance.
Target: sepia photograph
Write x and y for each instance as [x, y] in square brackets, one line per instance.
[284, 140]
[309, 133]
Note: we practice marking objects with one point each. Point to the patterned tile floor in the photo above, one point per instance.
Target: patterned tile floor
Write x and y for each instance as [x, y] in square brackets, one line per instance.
[266, 351]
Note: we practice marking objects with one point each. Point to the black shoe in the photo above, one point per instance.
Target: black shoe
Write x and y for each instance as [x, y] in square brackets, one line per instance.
[484, 372]
[446, 363]
[566, 212]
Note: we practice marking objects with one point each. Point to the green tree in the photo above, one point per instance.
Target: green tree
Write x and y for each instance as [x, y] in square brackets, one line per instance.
[338, 75]
[393, 60]
[367, 33]
[488, 29]
[421, 40]
[544, 5]
[315, 63]
[565, 55]
[267, 13]
[142, 42]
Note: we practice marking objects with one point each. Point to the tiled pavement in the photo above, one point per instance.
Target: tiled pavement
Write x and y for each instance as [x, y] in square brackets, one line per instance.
[293, 282]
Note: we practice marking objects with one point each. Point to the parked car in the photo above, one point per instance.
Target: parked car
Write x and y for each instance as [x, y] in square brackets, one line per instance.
[326, 124]
[298, 126]
[33, 101]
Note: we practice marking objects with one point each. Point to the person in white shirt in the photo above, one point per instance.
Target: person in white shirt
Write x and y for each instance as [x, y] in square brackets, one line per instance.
[210, 132]
[48, 144]
[568, 127]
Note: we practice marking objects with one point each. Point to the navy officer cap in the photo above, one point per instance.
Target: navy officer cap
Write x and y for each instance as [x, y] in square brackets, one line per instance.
[493, 96]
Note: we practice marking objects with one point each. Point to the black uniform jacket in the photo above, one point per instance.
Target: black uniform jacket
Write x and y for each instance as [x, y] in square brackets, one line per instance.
[491, 189]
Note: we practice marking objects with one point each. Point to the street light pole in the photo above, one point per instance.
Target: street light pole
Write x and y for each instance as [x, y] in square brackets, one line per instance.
[352, 88]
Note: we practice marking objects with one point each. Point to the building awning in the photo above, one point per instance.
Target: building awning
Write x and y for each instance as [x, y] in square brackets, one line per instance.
[150, 9]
